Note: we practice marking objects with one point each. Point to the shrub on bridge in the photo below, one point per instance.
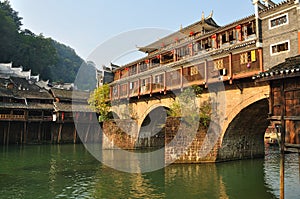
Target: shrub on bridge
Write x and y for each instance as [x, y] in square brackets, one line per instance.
[99, 102]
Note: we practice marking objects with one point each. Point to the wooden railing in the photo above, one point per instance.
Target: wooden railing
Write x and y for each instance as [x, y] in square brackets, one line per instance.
[11, 117]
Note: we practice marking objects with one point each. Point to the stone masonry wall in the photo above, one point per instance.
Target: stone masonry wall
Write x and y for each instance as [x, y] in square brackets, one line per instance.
[286, 32]
[182, 151]
[120, 134]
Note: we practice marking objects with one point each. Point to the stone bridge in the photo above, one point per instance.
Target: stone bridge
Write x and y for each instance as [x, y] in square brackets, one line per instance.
[241, 134]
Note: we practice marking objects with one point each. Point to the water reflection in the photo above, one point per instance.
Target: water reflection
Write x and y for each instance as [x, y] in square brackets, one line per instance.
[291, 174]
[69, 171]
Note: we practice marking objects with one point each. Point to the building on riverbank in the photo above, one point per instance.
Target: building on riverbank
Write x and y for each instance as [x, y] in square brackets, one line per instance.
[33, 112]
[284, 107]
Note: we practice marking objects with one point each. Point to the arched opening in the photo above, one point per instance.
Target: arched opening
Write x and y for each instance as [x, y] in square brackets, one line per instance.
[152, 131]
[244, 137]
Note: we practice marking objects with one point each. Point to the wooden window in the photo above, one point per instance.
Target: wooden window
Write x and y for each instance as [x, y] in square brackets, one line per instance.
[245, 58]
[218, 64]
[280, 47]
[224, 38]
[278, 21]
[158, 79]
[250, 28]
[143, 67]
[232, 35]
[133, 70]
[194, 70]
[183, 51]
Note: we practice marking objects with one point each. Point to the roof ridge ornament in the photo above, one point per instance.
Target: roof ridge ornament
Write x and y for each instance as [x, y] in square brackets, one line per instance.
[210, 15]
[203, 16]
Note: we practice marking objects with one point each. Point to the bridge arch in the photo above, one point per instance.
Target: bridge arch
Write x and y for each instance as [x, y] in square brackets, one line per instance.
[244, 136]
[151, 133]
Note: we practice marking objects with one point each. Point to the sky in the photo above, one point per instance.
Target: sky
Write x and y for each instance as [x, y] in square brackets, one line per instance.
[84, 25]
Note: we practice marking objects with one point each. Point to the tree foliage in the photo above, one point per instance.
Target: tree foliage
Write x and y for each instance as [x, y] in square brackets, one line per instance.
[99, 102]
[185, 105]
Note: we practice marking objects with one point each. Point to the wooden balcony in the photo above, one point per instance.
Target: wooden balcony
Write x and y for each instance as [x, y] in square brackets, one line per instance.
[10, 117]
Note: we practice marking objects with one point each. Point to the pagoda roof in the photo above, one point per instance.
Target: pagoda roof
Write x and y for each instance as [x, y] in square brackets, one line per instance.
[208, 24]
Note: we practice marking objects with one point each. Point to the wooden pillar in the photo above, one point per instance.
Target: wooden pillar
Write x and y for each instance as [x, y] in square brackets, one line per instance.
[4, 136]
[174, 55]
[260, 55]
[128, 90]
[8, 133]
[181, 78]
[220, 40]
[21, 135]
[59, 133]
[165, 82]
[282, 104]
[151, 85]
[205, 72]
[39, 132]
[25, 132]
[137, 68]
[53, 128]
[282, 141]
[75, 135]
[230, 67]
[191, 49]
[282, 175]
[271, 99]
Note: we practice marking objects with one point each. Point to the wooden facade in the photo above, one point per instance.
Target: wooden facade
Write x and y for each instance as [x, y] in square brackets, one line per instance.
[199, 54]
[284, 109]
[31, 114]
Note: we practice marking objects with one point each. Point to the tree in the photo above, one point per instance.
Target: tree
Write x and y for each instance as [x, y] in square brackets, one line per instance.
[185, 106]
[8, 36]
[99, 102]
[11, 13]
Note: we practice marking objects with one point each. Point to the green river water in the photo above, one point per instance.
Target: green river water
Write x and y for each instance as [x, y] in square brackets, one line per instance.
[69, 171]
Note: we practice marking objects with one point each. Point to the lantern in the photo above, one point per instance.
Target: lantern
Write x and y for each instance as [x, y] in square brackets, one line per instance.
[238, 27]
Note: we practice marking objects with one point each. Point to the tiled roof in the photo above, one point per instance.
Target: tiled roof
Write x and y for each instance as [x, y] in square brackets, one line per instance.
[276, 5]
[40, 106]
[70, 95]
[42, 94]
[66, 107]
[289, 68]
[4, 92]
[13, 105]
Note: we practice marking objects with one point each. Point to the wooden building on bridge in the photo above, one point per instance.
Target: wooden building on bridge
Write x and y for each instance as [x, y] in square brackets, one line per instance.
[199, 54]
[204, 52]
